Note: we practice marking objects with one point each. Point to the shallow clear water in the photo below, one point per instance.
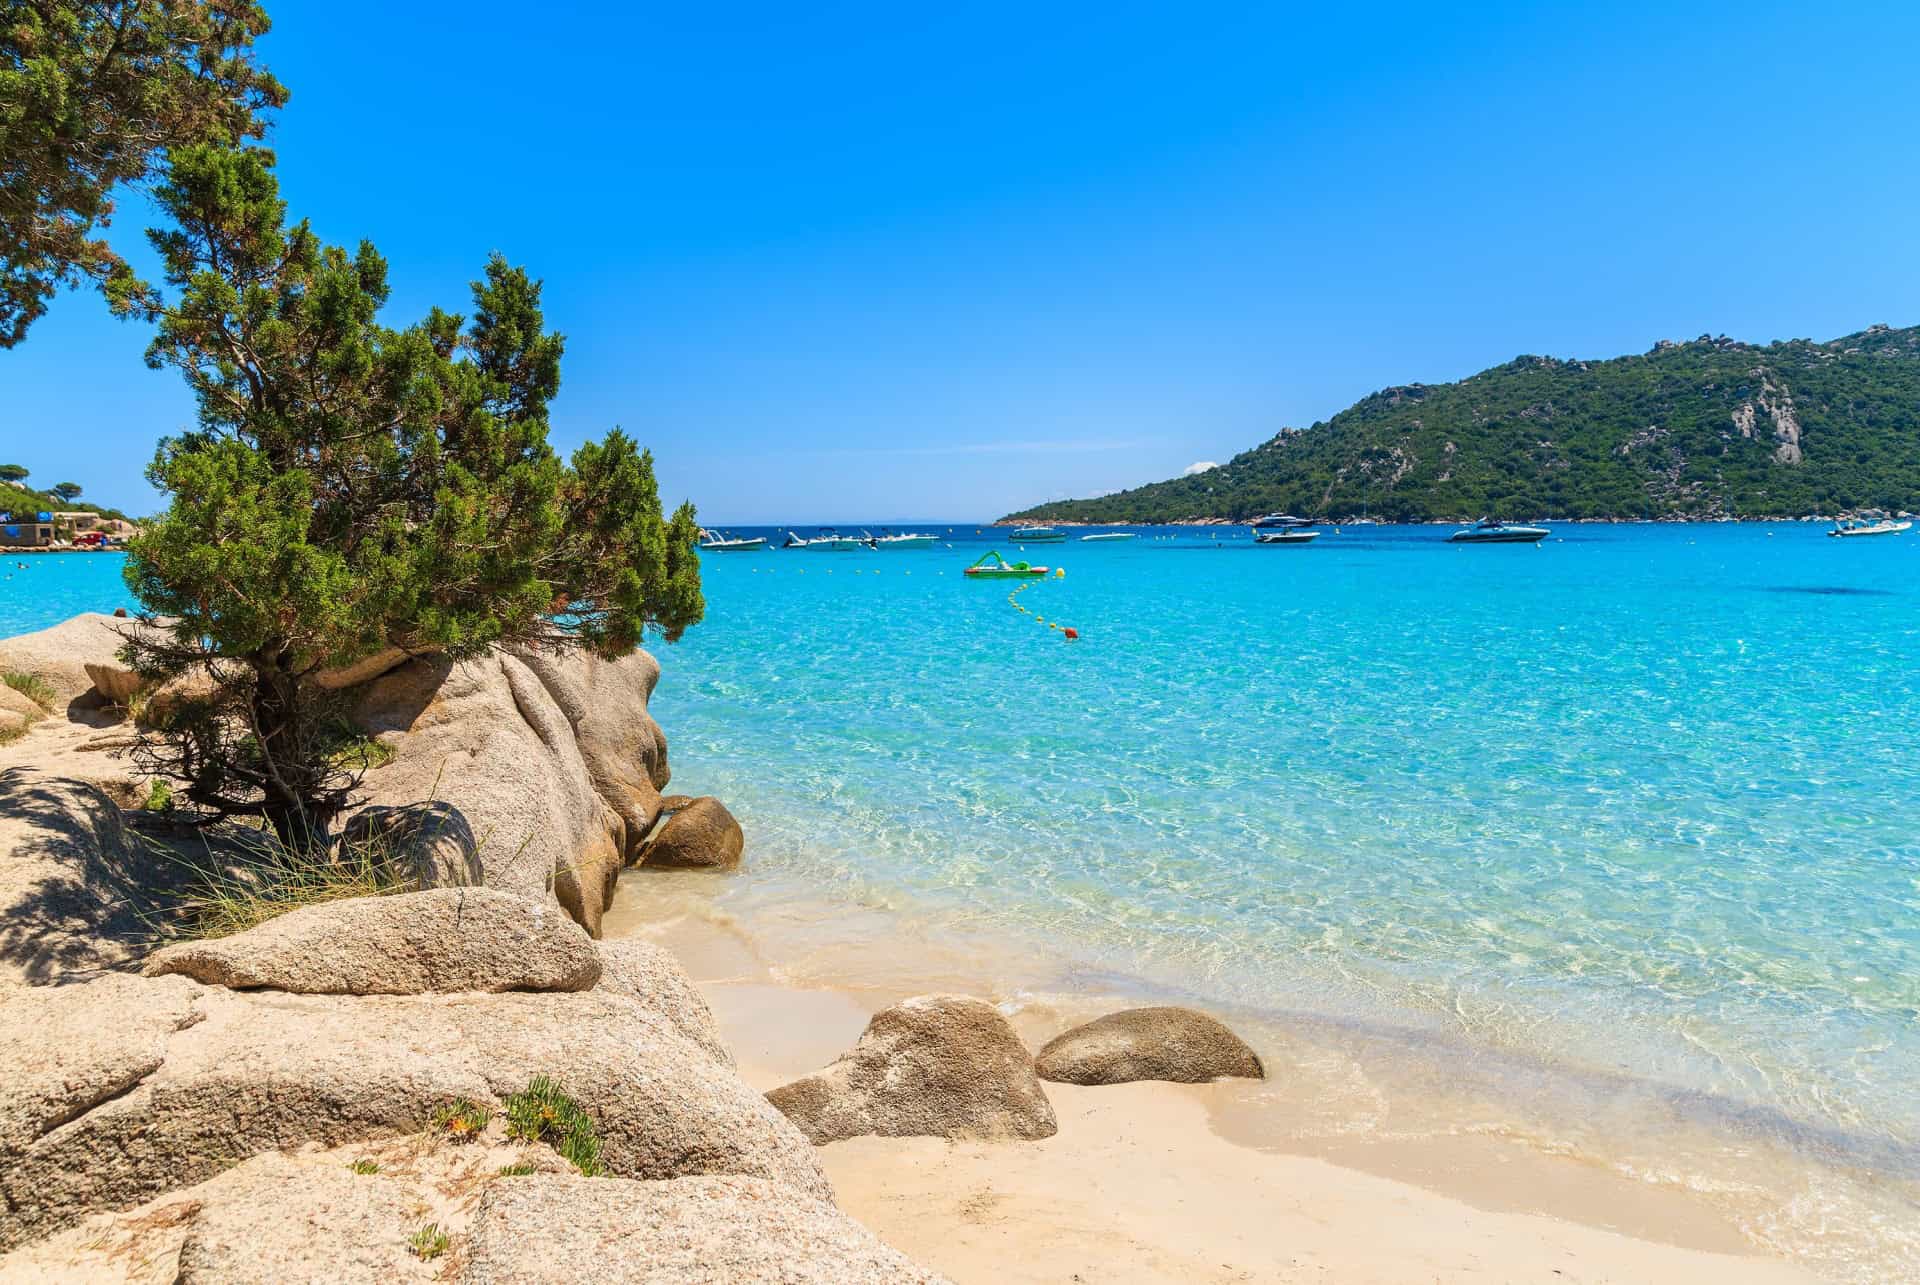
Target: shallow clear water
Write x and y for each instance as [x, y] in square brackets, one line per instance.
[1638, 803]
[1633, 811]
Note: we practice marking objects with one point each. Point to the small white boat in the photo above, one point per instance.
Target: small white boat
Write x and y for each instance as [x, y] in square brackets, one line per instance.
[1494, 531]
[718, 542]
[900, 540]
[1849, 527]
[1039, 535]
[825, 542]
[1105, 536]
[1293, 535]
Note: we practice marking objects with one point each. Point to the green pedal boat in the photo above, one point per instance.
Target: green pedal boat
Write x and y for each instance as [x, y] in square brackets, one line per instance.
[994, 567]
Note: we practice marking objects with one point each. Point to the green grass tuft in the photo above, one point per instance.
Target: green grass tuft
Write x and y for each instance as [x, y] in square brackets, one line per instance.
[159, 796]
[364, 1166]
[428, 1243]
[461, 1120]
[520, 1170]
[32, 686]
[250, 877]
[543, 1113]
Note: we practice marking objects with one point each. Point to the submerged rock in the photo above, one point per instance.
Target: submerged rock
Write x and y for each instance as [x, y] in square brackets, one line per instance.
[699, 834]
[116, 1091]
[445, 939]
[728, 1231]
[936, 1065]
[1148, 1044]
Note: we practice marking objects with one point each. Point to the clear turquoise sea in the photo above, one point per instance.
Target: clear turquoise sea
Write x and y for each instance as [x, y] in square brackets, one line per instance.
[1627, 822]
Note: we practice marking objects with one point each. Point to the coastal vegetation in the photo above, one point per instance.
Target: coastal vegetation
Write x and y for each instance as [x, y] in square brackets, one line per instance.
[1705, 429]
[354, 490]
[18, 498]
[92, 96]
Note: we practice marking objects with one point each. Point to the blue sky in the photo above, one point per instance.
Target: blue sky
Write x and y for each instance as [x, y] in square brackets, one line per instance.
[868, 262]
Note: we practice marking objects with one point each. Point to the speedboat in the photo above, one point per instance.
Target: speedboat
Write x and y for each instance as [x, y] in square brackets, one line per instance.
[1039, 535]
[1294, 535]
[1284, 521]
[1494, 531]
[1105, 536]
[900, 540]
[1856, 526]
[717, 542]
[826, 542]
[992, 566]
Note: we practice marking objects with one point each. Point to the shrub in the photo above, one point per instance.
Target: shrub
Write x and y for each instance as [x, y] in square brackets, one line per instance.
[159, 796]
[544, 1113]
[428, 1243]
[462, 1120]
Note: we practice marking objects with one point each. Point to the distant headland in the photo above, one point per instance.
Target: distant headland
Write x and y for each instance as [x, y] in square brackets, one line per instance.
[1707, 429]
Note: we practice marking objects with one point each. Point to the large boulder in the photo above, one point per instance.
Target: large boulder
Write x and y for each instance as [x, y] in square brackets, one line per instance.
[722, 1231]
[698, 834]
[115, 1091]
[485, 739]
[17, 702]
[76, 888]
[61, 654]
[936, 1065]
[653, 978]
[444, 939]
[625, 751]
[1148, 1044]
[311, 1217]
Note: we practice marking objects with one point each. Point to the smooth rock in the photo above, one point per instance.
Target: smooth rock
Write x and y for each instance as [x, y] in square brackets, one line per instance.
[115, 683]
[702, 834]
[76, 889]
[484, 740]
[935, 1065]
[444, 939]
[178, 1081]
[605, 702]
[1148, 1044]
[60, 654]
[18, 702]
[653, 978]
[720, 1231]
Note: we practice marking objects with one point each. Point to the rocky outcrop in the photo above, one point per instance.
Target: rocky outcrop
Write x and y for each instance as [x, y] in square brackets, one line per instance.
[1148, 1044]
[76, 887]
[698, 834]
[729, 1231]
[652, 978]
[19, 704]
[311, 1217]
[445, 939]
[61, 655]
[485, 740]
[120, 1089]
[936, 1065]
[625, 751]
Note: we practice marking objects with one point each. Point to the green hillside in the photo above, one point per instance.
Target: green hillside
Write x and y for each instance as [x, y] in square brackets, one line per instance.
[19, 500]
[1704, 429]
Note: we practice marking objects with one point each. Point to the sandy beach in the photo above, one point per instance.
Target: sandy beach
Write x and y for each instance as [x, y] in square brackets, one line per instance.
[1157, 1181]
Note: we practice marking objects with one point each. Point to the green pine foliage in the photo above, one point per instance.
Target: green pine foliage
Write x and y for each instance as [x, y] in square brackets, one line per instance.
[92, 94]
[352, 486]
[1711, 428]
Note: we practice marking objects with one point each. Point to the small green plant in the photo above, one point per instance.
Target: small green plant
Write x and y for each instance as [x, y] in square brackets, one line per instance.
[428, 1243]
[360, 753]
[543, 1113]
[159, 796]
[461, 1120]
[364, 1166]
[32, 686]
[520, 1170]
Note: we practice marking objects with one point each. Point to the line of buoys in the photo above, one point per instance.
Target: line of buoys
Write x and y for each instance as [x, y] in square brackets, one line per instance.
[1013, 600]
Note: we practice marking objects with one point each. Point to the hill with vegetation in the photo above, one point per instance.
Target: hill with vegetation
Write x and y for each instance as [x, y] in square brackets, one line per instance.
[1706, 429]
[22, 500]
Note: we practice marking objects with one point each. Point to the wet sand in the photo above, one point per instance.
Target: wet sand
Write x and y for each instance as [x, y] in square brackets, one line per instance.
[1177, 1182]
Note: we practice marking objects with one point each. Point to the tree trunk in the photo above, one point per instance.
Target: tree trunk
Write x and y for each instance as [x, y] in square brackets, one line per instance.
[281, 722]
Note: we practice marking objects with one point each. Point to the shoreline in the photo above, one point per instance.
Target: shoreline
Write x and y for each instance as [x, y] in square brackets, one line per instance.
[1455, 1204]
[1163, 1181]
